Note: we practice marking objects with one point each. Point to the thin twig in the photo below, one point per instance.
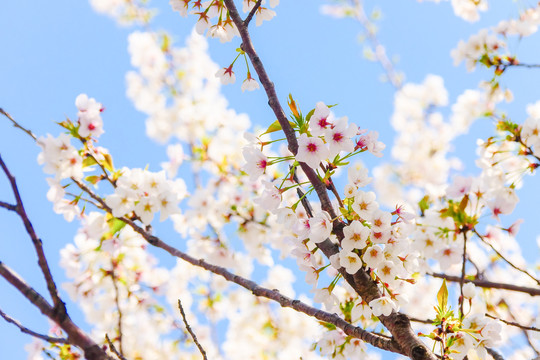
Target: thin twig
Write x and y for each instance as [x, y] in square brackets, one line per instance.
[118, 308]
[422, 321]
[505, 259]
[512, 323]
[462, 279]
[16, 124]
[490, 285]
[113, 348]
[525, 333]
[252, 12]
[188, 328]
[8, 206]
[398, 324]
[36, 241]
[25, 330]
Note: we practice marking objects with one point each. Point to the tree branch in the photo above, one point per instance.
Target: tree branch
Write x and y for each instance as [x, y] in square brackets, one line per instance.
[349, 329]
[252, 12]
[118, 309]
[113, 348]
[77, 337]
[489, 284]
[190, 331]
[505, 259]
[36, 241]
[15, 124]
[511, 323]
[25, 330]
[398, 324]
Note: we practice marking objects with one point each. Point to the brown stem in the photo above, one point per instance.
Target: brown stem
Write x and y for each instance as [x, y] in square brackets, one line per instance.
[512, 323]
[117, 303]
[505, 259]
[489, 284]
[113, 348]
[28, 132]
[398, 324]
[351, 330]
[25, 330]
[462, 279]
[252, 12]
[77, 337]
[188, 328]
[36, 241]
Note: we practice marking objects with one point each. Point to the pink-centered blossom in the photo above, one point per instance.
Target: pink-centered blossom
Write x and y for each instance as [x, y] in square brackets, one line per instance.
[460, 187]
[226, 75]
[311, 150]
[339, 136]
[256, 162]
[320, 120]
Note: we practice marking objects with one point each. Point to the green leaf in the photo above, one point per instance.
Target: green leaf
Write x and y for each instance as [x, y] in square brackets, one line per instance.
[108, 162]
[115, 225]
[463, 203]
[442, 296]
[424, 203]
[329, 326]
[93, 179]
[88, 161]
[275, 126]
[309, 115]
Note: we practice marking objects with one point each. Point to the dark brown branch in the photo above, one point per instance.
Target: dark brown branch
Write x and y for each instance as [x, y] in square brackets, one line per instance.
[7, 206]
[252, 12]
[190, 331]
[36, 241]
[462, 278]
[494, 354]
[490, 285]
[351, 330]
[397, 324]
[25, 330]
[77, 337]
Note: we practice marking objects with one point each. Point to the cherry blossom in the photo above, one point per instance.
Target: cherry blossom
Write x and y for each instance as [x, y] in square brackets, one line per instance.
[311, 150]
[383, 306]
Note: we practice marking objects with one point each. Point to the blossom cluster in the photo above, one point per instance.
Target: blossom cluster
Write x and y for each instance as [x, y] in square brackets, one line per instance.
[224, 28]
[145, 193]
[489, 47]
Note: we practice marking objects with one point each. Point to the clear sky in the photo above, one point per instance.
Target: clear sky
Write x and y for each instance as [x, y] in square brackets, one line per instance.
[52, 51]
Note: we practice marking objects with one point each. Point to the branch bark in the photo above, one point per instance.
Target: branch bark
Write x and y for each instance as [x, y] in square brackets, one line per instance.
[26, 330]
[77, 337]
[490, 285]
[349, 329]
[398, 324]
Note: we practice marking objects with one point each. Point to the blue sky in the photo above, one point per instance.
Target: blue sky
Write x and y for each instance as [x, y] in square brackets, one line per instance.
[53, 51]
